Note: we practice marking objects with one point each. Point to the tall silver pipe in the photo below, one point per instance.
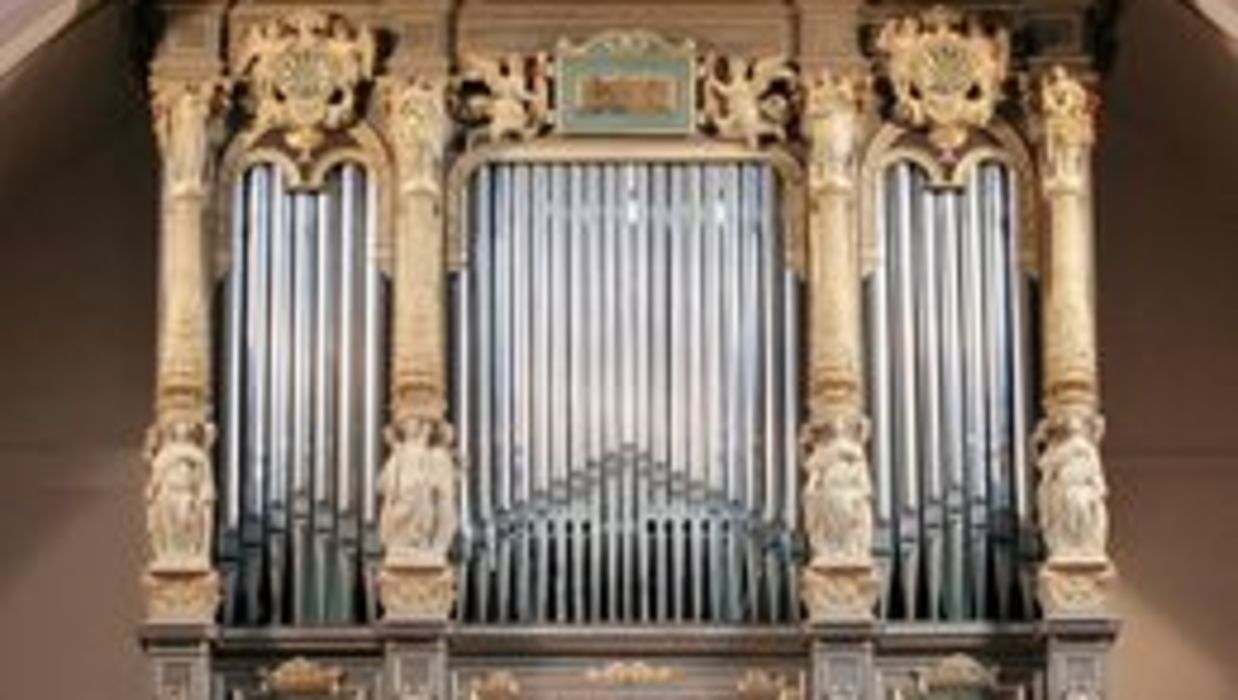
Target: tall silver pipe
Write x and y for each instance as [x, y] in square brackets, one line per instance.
[906, 440]
[954, 448]
[974, 417]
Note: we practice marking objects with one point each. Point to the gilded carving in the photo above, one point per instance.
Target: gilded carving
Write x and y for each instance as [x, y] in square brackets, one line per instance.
[413, 592]
[418, 489]
[420, 130]
[630, 673]
[955, 673]
[763, 685]
[1069, 131]
[300, 676]
[303, 71]
[506, 97]
[831, 123]
[748, 100]
[946, 73]
[838, 519]
[497, 685]
[182, 112]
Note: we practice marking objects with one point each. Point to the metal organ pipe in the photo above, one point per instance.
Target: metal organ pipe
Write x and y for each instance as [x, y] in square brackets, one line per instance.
[302, 349]
[645, 423]
[950, 396]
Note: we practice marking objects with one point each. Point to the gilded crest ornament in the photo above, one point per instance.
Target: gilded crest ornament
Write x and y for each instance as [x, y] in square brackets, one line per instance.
[946, 72]
[303, 71]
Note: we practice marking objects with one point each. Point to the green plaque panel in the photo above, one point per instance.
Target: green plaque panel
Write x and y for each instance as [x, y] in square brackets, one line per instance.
[626, 83]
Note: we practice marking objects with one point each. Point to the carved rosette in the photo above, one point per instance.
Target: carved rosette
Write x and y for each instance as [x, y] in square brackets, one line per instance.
[748, 100]
[946, 73]
[840, 580]
[418, 522]
[504, 98]
[303, 71]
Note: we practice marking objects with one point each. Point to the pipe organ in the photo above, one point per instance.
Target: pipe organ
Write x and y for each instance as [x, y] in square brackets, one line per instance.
[302, 399]
[731, 351]
[951, 332]
[626, 398]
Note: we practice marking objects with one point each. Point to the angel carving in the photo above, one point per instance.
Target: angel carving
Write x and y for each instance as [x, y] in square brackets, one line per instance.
[515, 102]
[744, 105]
[837, 509]
[180, 501]
[418, 487]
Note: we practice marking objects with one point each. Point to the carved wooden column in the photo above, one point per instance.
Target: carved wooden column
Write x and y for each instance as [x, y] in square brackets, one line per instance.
[840, 580]
[419, 478]
[1072, 491]
[181, 584]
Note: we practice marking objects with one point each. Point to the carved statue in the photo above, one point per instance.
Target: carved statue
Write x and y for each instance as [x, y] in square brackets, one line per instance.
[515, 102]
[831, 123]
[180, 499]
[744, 105]
[182, 113]
[947, 73]
[1072, 494]
[420, 128]
[837, 509]
[418, 487]
[1069, 131]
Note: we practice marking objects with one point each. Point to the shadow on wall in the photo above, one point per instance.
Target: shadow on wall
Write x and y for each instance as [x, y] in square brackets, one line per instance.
[1169, 336]
[77, 252]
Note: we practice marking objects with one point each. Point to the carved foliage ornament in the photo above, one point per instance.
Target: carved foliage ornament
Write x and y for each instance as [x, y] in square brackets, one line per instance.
[303, 71]
[748, 100]
[946, 73]
[506, 97]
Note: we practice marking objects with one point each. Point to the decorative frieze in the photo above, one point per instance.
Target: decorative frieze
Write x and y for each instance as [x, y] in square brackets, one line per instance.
[946, 73]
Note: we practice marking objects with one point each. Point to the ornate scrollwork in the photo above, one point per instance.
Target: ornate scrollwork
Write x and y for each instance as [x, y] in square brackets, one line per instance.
[763, 685]
[946, 73]
[748, 100]
[303, 71]
[497, 685]
[506, 97]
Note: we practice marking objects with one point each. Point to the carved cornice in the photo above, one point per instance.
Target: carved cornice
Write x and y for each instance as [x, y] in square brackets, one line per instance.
[946, 73]
[303, 71]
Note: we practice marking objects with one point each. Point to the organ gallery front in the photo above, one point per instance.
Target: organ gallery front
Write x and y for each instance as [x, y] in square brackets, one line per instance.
[692, 349]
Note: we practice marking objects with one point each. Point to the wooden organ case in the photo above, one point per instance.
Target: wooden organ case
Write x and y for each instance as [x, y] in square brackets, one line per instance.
[692, 349]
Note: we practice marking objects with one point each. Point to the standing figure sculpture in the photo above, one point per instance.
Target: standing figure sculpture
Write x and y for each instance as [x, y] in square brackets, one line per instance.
[837, 511]
[1072, 495]
[418, 487]
[180, 501]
